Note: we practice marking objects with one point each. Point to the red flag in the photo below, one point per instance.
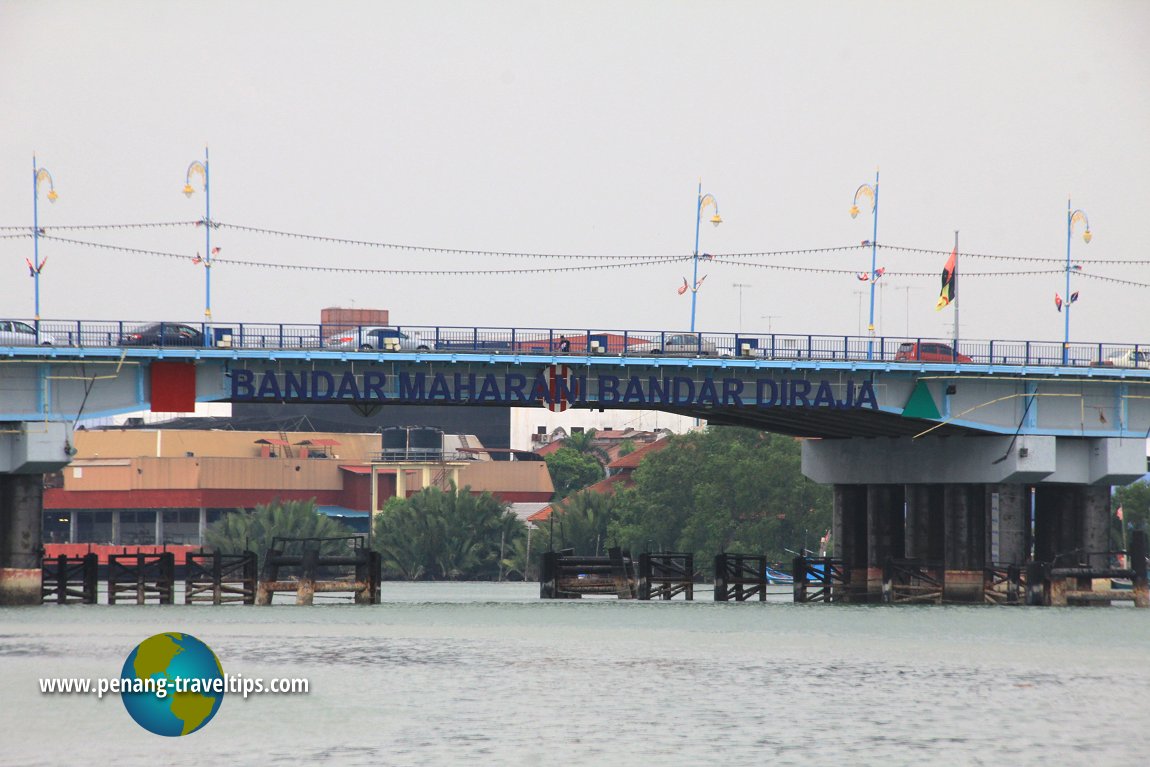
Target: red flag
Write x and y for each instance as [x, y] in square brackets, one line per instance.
[949, 281]
[863, 277]
[215, 251]
[683, 289]
[1119, 513]
[879, 272]
[31, 269]
[1058, 302]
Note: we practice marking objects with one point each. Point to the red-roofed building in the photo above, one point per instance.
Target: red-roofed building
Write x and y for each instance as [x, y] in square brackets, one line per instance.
[620, 471]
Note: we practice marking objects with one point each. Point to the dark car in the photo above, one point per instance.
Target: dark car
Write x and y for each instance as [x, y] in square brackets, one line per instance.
[928, 351]
[163, 334]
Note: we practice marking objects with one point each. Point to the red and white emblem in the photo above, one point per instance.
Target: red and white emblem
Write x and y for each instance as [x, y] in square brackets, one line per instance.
[558, 394]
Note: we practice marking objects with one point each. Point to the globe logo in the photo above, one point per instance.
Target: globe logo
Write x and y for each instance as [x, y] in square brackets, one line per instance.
[173, 684]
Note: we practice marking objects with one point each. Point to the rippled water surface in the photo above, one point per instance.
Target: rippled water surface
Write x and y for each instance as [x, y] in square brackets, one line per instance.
[487, 674]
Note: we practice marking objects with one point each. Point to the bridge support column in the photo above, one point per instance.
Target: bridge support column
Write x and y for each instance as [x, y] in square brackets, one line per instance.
[849, 530]
[21, 509]
[1096, 525]
[885, 533]
[1008, 506]
[1057, 521]
[924, 530]
[964, 552]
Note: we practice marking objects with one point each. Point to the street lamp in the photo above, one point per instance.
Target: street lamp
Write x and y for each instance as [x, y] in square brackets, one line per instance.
[740, 286]
[704, 201]
[201, 169]
[39, 175]
[1071, 218]
[866, 190]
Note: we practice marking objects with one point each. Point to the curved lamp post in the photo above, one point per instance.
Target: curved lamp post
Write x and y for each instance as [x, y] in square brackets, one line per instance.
[201, 169]
[39, 175]
[1072, 217]
[705, 200]
[870, 192]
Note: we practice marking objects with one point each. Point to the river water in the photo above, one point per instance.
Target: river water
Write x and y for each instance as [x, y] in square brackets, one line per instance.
[487, 674]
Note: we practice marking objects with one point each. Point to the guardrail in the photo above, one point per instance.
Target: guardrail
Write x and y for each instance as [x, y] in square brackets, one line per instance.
[575, 341]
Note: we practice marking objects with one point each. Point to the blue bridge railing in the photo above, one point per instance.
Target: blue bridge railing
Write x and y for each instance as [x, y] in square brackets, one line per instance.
[433, 339]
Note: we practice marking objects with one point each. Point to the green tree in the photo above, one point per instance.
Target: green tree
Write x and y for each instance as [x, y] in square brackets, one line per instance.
[583, 442]
[453, 535]
[241, 530]
[581, 523]
[571, 471]
[724, 489]
[1135, 503]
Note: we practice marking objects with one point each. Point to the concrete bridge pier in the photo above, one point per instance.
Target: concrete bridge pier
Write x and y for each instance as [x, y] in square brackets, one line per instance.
[1008, 523]
[1072, 524]
[27, 452]
[21, 509]
[964, 542]
[885, 534]
[924, 530]
[849, 533]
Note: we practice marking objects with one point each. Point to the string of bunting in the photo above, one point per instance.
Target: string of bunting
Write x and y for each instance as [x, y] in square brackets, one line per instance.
[155, 225]
[363, 270]
[1113, 279]
[1038, 259]
[505, 253]
[887, 272]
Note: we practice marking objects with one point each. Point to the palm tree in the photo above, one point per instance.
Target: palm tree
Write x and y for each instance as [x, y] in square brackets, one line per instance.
[240, 531]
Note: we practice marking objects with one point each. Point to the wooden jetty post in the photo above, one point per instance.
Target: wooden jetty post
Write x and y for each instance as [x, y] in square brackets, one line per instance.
[740, 577]
[912, 581]
[140, 577]
[821, 579]
[563, 575]
[364, 581]
[215, 578]
[70, 580]
[662, 576]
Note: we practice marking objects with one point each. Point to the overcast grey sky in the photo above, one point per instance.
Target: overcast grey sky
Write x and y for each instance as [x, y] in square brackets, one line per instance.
[582, 128]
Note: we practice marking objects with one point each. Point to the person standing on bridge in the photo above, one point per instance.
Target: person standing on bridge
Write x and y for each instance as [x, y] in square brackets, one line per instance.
[564, 344]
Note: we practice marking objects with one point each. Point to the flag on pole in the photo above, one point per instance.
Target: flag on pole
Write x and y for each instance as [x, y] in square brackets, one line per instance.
[1073, 297]
[949, 282]
[1119, 513]
[1058, 302]
[683, 289]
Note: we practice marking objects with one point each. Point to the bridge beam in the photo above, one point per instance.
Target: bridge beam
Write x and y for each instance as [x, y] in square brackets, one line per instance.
[975, 459]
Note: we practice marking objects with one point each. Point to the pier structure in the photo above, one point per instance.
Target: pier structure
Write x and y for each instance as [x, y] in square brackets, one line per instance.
[305, 566]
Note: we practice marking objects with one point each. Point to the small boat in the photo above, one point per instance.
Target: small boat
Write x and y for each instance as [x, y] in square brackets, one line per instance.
[778, 577]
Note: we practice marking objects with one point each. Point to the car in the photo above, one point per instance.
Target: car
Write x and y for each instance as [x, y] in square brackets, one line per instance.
[675, 345]
[163, 334]
[382, 338]
[928, 351]
[1130, 358]
[16, 333]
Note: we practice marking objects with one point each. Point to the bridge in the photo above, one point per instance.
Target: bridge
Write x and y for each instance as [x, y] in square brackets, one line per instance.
[936, 450]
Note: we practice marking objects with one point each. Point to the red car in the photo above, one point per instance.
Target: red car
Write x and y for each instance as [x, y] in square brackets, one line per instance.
[928, 351]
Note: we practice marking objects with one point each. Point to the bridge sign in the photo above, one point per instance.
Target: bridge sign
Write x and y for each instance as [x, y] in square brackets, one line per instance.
[560, 389]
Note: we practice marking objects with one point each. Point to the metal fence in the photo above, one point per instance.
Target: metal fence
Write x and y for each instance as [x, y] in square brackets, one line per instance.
[580, 341]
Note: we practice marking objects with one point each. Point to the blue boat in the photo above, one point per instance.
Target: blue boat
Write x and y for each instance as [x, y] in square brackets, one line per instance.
[777, 577]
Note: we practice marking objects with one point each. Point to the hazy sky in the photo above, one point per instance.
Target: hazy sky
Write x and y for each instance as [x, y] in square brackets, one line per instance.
[582, 129]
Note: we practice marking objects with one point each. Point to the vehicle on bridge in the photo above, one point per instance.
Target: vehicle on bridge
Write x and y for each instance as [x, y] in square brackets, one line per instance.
[915, 351]
[1130, 358]
[163, 334]
[675, 345]
[16, 333]
[382, 338]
